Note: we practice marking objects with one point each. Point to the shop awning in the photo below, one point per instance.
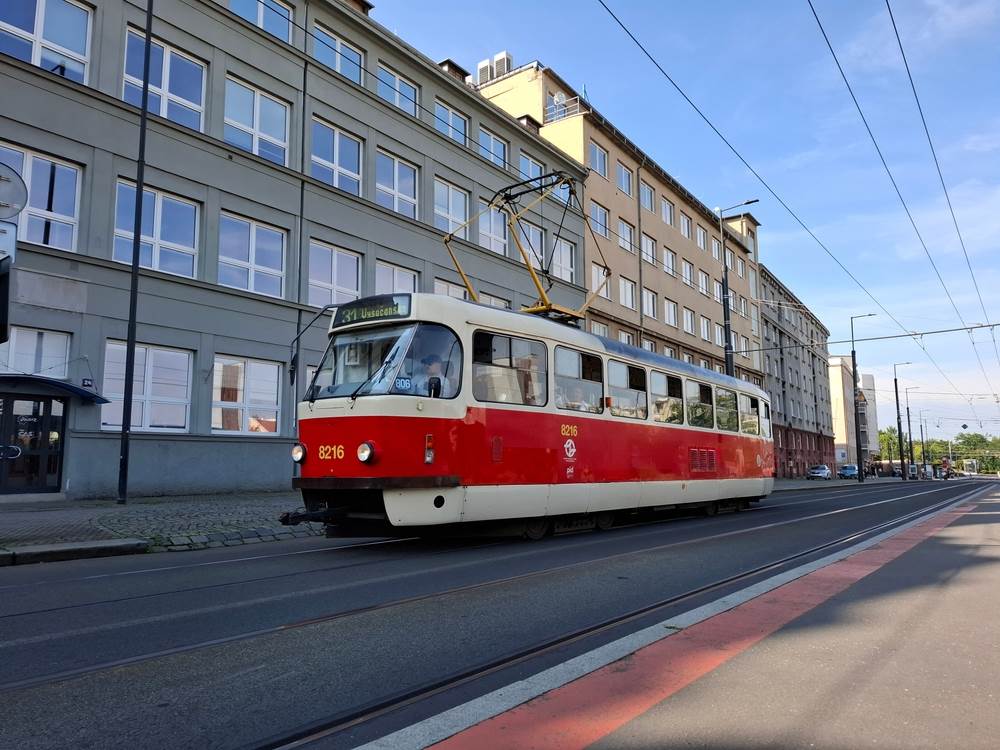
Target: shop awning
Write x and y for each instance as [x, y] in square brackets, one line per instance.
[38, 381]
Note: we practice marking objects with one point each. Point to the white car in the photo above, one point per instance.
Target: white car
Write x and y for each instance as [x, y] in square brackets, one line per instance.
[821, 471]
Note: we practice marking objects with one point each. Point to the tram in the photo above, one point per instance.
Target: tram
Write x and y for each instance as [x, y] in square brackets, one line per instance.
[429, 412]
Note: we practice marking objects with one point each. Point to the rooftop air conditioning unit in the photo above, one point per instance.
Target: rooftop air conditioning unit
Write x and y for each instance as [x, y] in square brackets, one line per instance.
[484, 72]
[503, 63]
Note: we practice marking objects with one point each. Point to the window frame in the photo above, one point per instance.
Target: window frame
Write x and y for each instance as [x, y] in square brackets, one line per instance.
[37, 40]
[27, 173]
[396, 270]
[598, 226]
[493, 214]
[338, 42]
[645, 189]
[670, 312]
[163, 90]
[667, 378]
[669, 262]
[155, 241]
[647, 243]
[702, 388]
[626, 236]
[332, 286]
[10, 346]
[617, 411]
[544, 371]
[146, 397]
[621, 171]
[667, 210]
[490, 153]
[250, 265]
[597, 280]
[398, 95]
[447, 129]
[624, 284]
[735, 409]
[393, 191]
[594, 145]
[648, 295]
[685, 225]
[561, 249]
[454, 226]
[246, 406]
[335, 166]
[600, 371]
[254, 131]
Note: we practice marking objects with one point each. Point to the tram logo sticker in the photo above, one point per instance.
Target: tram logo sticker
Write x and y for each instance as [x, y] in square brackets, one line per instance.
[570, 447]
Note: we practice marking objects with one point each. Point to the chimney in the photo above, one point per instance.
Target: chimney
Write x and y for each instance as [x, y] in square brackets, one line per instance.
[503, 63]
[484, 71]
[453, 69]
[530, 124]
[361, 6]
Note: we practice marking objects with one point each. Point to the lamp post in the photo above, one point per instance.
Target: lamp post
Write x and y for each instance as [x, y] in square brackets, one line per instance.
[923, 445]
[909, 427]
[899, 422]
[730, 367]
[857, 410]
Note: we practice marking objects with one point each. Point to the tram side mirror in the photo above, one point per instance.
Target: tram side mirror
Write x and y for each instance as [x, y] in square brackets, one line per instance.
[434, 387]
[292, 367]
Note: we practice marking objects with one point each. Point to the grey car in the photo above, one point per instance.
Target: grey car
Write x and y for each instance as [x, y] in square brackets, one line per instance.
[820, 471]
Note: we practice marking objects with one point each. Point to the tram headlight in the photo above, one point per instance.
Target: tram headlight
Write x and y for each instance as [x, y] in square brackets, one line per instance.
[366, 452]
[298, 453]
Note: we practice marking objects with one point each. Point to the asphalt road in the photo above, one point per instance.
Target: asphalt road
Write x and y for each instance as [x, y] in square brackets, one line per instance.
[231, 647]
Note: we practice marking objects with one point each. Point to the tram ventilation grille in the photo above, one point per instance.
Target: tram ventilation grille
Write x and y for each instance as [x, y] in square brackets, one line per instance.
[702, 459]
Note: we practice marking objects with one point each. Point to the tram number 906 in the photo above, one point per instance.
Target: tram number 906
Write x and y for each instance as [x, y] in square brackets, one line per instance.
[568, 430]
[331, 452]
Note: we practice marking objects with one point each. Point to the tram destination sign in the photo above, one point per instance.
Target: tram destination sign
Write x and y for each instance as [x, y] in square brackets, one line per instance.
[369, 309]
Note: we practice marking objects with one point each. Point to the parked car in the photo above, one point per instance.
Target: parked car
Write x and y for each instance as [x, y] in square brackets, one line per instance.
[821, 471]
[848, 471]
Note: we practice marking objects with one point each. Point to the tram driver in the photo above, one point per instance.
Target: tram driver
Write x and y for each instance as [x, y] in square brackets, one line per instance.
[432, 372]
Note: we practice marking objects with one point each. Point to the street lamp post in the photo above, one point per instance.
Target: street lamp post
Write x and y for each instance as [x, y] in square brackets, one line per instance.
[727, 322]
[923, 445]
[857, 409]
[899, 423]
[909, 426]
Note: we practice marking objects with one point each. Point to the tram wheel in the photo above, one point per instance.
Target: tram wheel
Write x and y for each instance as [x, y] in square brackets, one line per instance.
[536, 528]
[604, 521]
[711, 509]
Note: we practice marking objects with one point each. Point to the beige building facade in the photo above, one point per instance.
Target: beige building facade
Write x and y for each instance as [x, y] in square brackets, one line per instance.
[842, 407]
[660, 243]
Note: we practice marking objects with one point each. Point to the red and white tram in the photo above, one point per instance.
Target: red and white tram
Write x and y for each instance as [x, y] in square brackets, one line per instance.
[428, 410]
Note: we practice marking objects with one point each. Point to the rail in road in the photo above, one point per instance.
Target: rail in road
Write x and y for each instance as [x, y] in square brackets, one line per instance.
[337, 642]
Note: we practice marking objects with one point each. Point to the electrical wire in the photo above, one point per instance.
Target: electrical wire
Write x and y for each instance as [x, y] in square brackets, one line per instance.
[771, 190]
[944, 187]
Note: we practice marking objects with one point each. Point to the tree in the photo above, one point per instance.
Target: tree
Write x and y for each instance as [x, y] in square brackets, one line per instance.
[888, 443]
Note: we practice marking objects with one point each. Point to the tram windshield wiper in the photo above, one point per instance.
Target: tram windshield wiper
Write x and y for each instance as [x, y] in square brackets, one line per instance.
[378, 373]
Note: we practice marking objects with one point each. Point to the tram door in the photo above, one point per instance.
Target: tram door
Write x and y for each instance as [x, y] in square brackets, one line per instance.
[31, 443]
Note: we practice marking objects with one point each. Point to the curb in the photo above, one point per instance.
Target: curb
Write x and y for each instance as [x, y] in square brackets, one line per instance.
[823, 485]
[38, 553]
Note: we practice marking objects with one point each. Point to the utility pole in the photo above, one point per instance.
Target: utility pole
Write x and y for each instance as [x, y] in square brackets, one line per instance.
[726, 299]
[899, 423]
[909, 426]
[857, 399]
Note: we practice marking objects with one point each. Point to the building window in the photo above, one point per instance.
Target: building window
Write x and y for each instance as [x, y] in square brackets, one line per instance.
[670, 262]
[337, 54]
[599, 160]
[706, 329]
[688, 321]
[648, 249]
[729, 259]
[598, 281]
[745, 346]
[251, 256]
[670, 312]
[530, 169]
[176, 81]
[599, 218]
[755, 322]
[493, 148]
[245, 395]
[598, 329]
[396, 90]
[668, 351]
[390, 279]
[30, 351]
[626, 233]
[448, 289]
[716, 249]
[270, 15]
[702, 236]
[336, 157]
[168, 241]
[741, 267]
[649, 303]
[489, 299]
[687, 273]
[720, 335]
[646, 196]
[666, 211]
[256, 122]
[649, 346]
[451, 122]
[626, 289]
[743, 307]
[492, 228]
[703, 282]
[533, 241]
[396, 184]
[50, 218]
[689, 359]
[451, 208]
[334, 275]
[685, 225]
[624, 179]
[717, 291]
[626, 337]
[161, 388]
[52, 34]
[563, 260]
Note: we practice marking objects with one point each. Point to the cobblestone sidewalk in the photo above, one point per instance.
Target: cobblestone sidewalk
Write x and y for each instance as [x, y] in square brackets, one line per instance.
[176, 523]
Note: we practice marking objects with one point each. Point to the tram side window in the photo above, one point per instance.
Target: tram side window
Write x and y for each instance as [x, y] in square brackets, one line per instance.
[749, 415]
[627, 386]
[579, 381]
[667, 393]
[700, 405]
[765, 421]
[726, 414]
[509, 370]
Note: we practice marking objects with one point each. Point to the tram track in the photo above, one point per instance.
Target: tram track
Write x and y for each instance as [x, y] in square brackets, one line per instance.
[331, 725]
[401, 601]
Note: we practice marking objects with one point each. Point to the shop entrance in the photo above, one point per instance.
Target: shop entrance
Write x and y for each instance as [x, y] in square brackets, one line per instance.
[32, 430]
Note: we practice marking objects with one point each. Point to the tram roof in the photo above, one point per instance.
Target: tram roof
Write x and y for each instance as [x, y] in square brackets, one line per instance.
[441, 308]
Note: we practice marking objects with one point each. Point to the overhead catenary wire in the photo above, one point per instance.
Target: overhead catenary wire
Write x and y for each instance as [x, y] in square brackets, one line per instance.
[899, 194]
[772, 192]
[944, 186]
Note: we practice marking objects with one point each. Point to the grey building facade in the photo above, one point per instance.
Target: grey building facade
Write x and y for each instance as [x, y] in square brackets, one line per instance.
[287, 168]
[797, 377]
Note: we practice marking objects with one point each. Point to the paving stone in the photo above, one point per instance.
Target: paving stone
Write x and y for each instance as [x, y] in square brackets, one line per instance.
[157, 548]
[233, 542]
[178, 547]
[267, 538]
[215, 544]
[250, 534]
[177, 541]
[199, 539]
[252, 540]
[36, 553]
[284, 535]
[233, 536]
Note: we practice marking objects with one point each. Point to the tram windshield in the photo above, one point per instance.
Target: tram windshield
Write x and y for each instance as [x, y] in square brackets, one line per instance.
[414, 359]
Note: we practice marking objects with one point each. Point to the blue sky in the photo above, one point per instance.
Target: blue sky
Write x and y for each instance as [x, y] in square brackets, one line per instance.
[761, 71]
